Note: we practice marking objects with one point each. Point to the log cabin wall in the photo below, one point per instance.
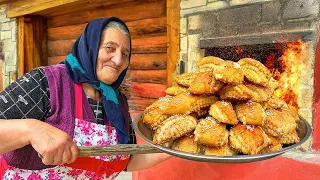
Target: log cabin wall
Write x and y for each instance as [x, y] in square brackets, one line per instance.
[147, 76]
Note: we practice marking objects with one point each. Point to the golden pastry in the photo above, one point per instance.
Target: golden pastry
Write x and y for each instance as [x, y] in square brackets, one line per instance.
[186, 144]
[236, 92]
[290, 138]
[161, 103]
[209, 63]
[154, 117]
[250, 113]
[274, 102]
[273, 84]
[276, 125]
[186, 103]
[248, 139]
[185, 79]
[255, 72]
[229, 72]
[259, 93]
[224, 150]
[223, 111]
[203, 112]
[209, 132]
[274, 145]
[174, 90]
[290, 112]
[173, 128]
[205, 83]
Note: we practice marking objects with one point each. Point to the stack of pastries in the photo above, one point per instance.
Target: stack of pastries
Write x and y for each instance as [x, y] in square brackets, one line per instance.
[224, 109]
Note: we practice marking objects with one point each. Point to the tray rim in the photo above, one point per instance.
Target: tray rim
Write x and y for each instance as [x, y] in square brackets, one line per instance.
[223, 159]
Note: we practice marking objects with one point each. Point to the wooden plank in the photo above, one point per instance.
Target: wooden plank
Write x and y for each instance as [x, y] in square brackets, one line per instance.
[79, 6]
[138, 29]
[55, 59]
[156, 44]
[147, 90]
[148, 61]
[139, 103]
[127, 13]
[23, 7]
[1, 80]
[145, 45]
[32, 49]
[65, 32]
[21, 34]
[173, 36]
[60, 48]
[148, 76]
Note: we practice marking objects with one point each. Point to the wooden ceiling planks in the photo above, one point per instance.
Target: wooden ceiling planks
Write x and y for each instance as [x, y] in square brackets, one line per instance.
[53, 7]
[137, 12]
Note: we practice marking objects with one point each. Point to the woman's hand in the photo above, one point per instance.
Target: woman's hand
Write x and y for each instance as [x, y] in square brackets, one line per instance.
[53, 145]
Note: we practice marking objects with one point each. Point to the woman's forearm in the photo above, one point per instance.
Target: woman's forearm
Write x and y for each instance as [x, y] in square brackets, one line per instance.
[14, 134]
[144, 161]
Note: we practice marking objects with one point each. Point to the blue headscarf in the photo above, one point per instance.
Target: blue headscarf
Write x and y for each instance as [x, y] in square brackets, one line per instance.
[81, 67]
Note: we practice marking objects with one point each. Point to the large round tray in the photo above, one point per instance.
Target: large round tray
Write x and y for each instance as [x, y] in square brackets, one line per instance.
[304, 132]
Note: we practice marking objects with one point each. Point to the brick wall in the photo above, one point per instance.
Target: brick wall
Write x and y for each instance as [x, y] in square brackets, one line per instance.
[214, 18]
[8, 38]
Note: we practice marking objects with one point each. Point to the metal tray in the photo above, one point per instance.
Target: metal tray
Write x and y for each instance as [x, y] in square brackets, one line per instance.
[304, 132]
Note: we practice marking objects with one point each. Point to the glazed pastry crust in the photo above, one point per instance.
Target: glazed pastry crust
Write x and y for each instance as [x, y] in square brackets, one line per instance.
[174, 128]
[255, 72]
[276, 124]
[274, 145]
[205, 83]
[211, 133]
[290, 138]
[248, 139]
[224, 150]
[223, 111]
[259, 93]
[229, 72]
[236, 93]
[185, 79]
[174, 90]
[274, 102]
[250, 113]
[186, 144]
[186, 103]
[209, 63]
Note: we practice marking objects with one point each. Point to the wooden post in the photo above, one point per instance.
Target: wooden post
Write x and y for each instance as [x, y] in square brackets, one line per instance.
[173, 37]
[1, 80]
[32, 43]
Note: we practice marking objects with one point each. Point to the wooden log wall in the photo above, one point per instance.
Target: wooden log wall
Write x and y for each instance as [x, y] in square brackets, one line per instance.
[147, 76]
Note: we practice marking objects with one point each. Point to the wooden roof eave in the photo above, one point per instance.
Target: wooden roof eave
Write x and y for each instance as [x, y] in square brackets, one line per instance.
[17, 8]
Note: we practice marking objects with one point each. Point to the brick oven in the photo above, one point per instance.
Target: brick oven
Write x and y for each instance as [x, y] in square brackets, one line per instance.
[281, 34]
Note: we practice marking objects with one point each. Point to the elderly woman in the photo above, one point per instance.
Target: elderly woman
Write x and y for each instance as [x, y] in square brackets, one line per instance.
[50, 111]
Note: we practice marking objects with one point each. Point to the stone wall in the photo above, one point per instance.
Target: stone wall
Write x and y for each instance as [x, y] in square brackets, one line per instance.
[8, 38]
[214, 18]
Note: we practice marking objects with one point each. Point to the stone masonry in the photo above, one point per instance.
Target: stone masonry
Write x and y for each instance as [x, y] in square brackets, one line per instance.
[8, 47]
[218, 18]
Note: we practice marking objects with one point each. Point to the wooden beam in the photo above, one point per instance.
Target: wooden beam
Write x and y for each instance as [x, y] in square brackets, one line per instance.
[148, 76]
[139, 46]
[22, 7]
[173, 36]
[148, 61]
[131, 13]
[138, 29]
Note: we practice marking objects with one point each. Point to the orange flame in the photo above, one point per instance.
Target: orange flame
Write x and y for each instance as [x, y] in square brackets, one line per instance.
[289, 77]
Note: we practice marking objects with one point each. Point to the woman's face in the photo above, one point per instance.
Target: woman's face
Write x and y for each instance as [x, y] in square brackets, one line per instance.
[113, 55]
